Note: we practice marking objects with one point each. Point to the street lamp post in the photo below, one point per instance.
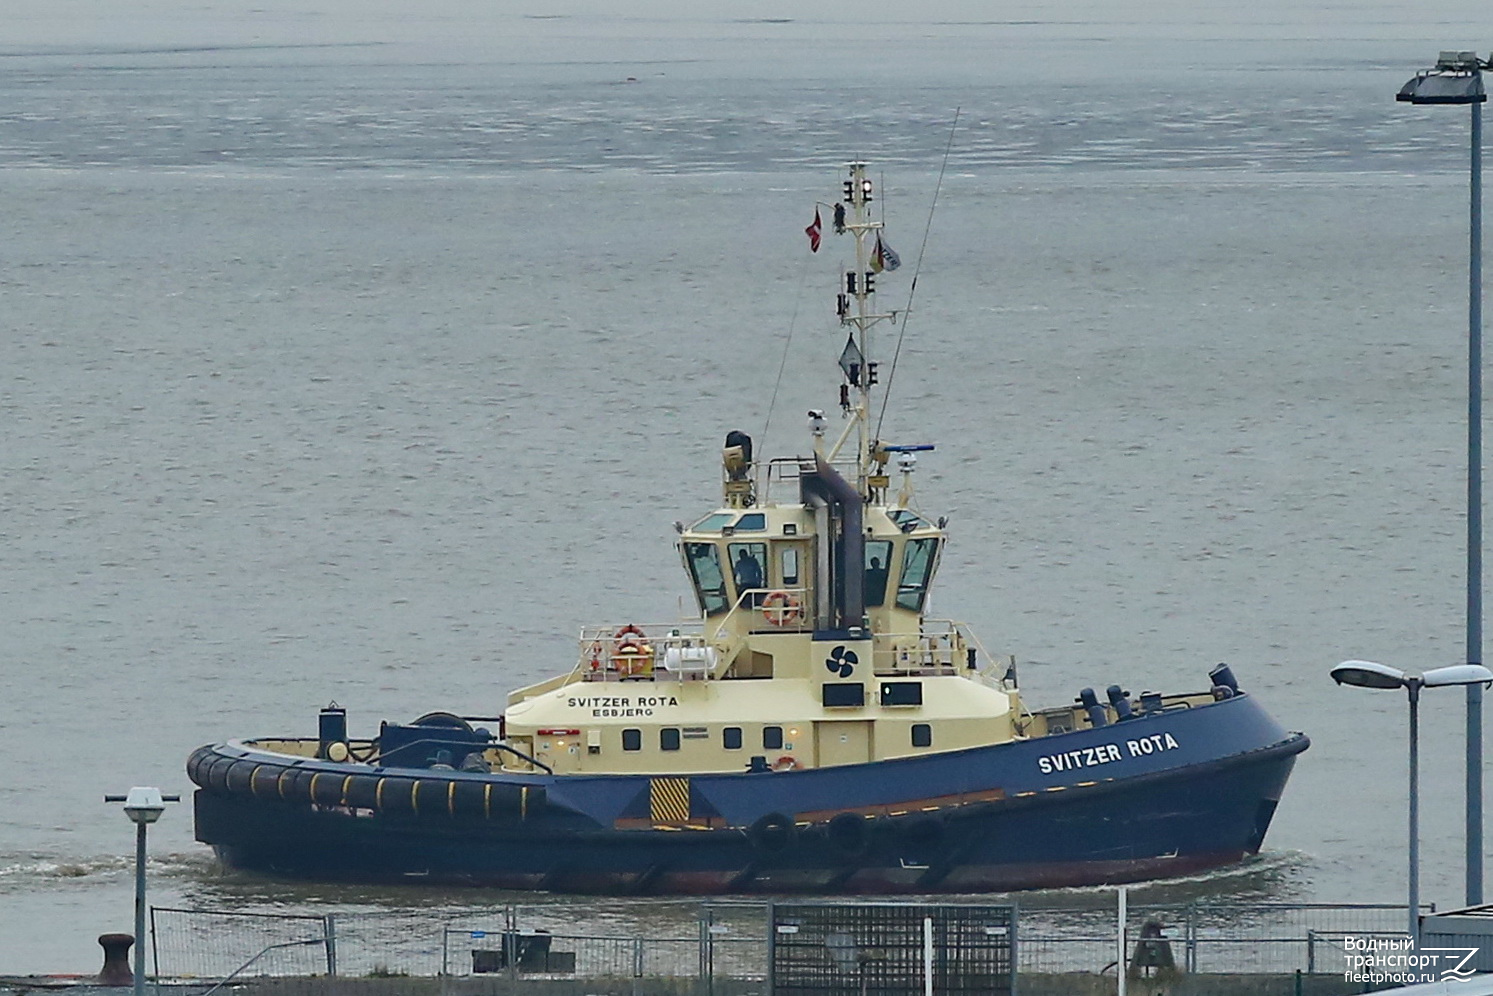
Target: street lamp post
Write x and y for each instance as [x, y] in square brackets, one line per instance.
[1457, 79]
[143, 806]
[1369, 674]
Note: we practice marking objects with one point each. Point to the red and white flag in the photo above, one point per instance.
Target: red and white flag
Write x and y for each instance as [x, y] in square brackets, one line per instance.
[813, 232]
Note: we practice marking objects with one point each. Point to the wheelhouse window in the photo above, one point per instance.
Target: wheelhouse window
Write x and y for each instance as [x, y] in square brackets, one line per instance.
[772, 738]
[746, 567]
[704, 562]
[905, 520]
[917, 569]
[878, 565]
[632, 739]
[752, 522]
[712, 523]
[731, 738]
[922, 735]
[668, 739]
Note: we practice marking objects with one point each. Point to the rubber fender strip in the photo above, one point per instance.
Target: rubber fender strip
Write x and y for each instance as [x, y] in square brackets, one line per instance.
[523, 803]
[280, 783]
[415, 797]
[214, 774]
[253, 776]
[345, 783]
[487, 801]
[311, 789]
[378, 795]
[451, 799]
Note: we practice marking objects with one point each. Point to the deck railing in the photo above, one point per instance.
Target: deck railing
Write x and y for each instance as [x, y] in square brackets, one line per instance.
[683, 652]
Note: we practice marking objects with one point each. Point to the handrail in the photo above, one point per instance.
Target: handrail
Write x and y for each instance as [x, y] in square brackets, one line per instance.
[787, 470]
[488, 745]
[599, 643]
[375, 759]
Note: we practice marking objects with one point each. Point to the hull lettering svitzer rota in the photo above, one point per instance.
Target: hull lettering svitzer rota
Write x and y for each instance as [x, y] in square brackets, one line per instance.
[812, 730]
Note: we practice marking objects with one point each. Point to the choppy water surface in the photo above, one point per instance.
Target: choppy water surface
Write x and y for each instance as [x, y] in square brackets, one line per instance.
[367, 367]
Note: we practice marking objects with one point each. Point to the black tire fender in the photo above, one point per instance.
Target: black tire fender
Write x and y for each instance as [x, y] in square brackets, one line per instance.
[773, 833]
[848, 833]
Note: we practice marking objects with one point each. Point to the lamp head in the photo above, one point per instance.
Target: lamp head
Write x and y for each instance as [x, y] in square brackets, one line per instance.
[1457, 79]
[144, 804]
[1369, 674]
[1457, 674]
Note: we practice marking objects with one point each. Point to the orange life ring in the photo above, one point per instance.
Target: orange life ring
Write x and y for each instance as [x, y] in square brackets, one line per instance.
[786, 763]
[782, 608]
[633, 655]
[630, 630]
[631, 647]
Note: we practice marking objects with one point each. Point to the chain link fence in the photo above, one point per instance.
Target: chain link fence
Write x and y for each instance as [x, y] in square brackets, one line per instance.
[615, 947]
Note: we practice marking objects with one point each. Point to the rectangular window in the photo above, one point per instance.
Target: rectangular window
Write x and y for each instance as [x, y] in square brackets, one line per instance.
[917, 569]
[747, 560]
[788, 564]
[851, 694]
[704, 562]
[731, 738]
[632, 739]
[668, 739]
[922, 735]
[901, 693]
[772, 738]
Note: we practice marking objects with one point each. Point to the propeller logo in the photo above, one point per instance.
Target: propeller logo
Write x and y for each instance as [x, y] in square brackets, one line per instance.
[842, 662]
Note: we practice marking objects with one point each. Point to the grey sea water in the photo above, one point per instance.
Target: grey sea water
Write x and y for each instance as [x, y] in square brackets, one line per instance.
[367, 358]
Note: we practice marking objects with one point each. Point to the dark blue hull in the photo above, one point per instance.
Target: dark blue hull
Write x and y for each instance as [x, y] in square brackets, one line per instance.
[1083, 808]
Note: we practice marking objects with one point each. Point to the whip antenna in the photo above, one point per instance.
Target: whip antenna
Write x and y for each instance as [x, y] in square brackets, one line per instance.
[803, 272]
[907, 312]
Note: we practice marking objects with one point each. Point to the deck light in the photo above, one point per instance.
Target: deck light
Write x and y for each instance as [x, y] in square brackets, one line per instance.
[1372, 674]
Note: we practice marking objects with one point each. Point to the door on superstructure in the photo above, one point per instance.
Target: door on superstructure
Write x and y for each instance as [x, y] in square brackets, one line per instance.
[792, 568]
[842, 741]
[789, 573]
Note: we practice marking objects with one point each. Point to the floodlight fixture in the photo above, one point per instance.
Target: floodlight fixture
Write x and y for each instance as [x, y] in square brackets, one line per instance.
[1456, 79]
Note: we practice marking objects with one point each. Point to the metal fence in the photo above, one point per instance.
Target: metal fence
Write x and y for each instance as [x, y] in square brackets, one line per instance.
[611, 945]
[212, 944]
[1207, 937]
[843, 949]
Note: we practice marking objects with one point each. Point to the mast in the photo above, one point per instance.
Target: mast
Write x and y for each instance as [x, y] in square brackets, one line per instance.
[856, 308]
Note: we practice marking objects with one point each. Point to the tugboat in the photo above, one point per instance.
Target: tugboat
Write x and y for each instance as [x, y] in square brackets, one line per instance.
[812, 731]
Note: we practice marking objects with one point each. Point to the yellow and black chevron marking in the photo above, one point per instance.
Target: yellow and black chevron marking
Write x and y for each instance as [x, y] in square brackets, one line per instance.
[668, 799]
